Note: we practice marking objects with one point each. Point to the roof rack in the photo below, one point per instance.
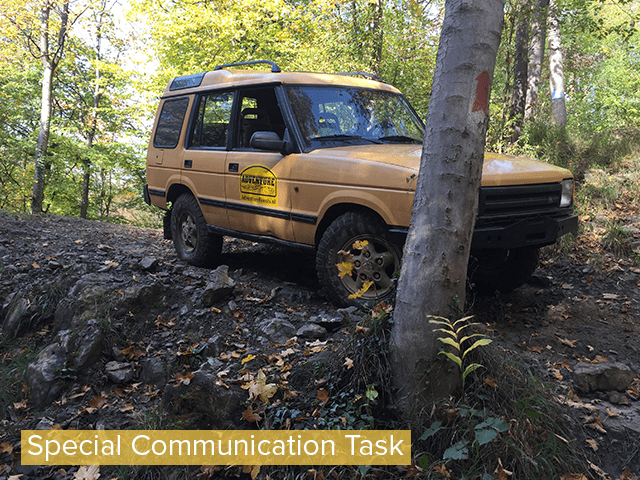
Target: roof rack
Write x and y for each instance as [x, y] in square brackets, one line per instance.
[274, 66]
[370, 76]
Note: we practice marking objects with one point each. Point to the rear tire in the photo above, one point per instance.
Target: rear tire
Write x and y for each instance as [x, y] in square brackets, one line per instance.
[191, 238]
[378, 262]
[502, 270]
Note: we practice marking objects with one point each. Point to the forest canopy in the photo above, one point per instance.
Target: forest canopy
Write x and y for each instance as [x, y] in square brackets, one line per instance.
[109, 63]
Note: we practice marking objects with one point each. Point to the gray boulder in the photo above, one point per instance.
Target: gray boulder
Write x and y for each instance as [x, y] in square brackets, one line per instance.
[605, 376]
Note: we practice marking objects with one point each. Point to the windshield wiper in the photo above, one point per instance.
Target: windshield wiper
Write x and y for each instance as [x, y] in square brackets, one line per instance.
[400, 139]
[345, 137]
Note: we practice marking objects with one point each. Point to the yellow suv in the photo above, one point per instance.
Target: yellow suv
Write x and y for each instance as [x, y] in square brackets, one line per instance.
[321, 161]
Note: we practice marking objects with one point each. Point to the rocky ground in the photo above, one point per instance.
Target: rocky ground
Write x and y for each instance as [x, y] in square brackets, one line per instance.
[118, 334]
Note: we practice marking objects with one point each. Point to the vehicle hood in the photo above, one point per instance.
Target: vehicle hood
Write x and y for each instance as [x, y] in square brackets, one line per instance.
[498, 169]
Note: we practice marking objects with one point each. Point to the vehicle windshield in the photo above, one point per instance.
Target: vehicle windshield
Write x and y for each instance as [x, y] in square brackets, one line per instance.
[337, 116]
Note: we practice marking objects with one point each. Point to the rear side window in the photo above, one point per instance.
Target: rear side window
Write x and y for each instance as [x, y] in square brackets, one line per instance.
[211, 127]
[170, 123]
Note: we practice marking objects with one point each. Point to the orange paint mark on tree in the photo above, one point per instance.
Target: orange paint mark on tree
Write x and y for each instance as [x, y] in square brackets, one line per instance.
[483, 86]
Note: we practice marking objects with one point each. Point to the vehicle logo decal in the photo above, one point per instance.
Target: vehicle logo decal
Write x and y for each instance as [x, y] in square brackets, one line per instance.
[258, 184]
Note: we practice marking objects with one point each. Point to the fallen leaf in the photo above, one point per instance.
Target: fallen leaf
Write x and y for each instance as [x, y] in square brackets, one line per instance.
[254, 470]
[261, 389]
[573, 476]
[345, 268]
[6, 448]
[87, 472]
[127, 408]
[611, 413]
[501, 473]
[610, 296]
[595, 423]
[348, 363]
[442, 470]
[323, 396]
[183, 379]
[97, 401]
[491, 382]
[21, 405]
[593, 444]
[568, 343]
[250, 416]
[360, 328]
[247, 359]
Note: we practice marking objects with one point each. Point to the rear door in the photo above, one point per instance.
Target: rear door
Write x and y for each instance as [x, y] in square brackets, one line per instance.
[206, 153]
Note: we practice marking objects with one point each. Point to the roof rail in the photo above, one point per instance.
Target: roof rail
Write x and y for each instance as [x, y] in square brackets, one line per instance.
[274, 66]
[370, 76]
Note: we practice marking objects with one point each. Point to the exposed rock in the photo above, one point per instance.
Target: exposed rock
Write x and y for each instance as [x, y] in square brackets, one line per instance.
[220, 285]
[119, 372]
[41, 375]
[276, 330]
[604, 376]
[154, 371]
[206, 404]
[89, 346]
[330, 322]
[150, 264]
[17, 319]
[311, 330]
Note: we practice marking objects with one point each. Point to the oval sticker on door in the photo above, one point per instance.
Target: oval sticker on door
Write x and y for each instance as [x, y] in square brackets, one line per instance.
[259, 185]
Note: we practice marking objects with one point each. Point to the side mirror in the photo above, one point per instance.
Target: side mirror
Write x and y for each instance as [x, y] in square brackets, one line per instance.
[267, 141]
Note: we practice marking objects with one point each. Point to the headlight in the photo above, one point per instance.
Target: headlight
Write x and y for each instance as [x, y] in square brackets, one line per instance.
[566, 199]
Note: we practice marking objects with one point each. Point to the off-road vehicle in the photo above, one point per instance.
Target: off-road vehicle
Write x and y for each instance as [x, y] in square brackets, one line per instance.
[320, 161]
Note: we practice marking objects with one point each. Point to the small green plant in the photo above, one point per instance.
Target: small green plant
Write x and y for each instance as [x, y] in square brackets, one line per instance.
[455, 339]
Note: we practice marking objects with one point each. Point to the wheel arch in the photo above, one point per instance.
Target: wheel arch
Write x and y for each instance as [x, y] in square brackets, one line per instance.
[339, 209]
[176, 190]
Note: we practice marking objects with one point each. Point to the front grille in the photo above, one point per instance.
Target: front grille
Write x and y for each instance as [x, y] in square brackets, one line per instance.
[517, 201]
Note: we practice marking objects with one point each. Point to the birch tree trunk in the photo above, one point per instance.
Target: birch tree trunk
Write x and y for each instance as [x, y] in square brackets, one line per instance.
[556, 67]
[436, 253]
[536, 55]
[50, 60]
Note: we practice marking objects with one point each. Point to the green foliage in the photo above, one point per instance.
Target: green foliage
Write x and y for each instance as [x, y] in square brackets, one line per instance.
[458, 341]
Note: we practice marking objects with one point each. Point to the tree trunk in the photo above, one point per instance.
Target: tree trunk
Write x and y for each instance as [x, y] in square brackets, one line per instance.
[519, 96]
[50, 62]
[45, 113]
[558, 104]
[536, 55]
[93, 126]
[436, 253]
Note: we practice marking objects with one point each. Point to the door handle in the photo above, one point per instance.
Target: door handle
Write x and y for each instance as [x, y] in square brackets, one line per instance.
[188, 163]
[233, 167]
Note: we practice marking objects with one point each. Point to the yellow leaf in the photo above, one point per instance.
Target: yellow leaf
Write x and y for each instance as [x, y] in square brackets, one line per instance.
[6, 448]
[344, 269]
[248, 358]
[360, 244]
[365, 287]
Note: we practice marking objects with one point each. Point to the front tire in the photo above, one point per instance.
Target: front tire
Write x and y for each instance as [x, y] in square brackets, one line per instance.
[377, 262]
[502, 270]
[191, 239]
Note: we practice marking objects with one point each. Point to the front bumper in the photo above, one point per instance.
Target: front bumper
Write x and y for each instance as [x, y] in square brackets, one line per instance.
[529, 232]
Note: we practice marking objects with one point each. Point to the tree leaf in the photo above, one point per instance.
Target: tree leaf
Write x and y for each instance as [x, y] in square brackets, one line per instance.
[485, 435]
[432, 430]
[458, 452]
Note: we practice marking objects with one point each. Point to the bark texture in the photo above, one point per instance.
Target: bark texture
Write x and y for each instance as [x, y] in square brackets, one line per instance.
[536, 55]
[556, 67]
[50, 59]
[436, 252]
